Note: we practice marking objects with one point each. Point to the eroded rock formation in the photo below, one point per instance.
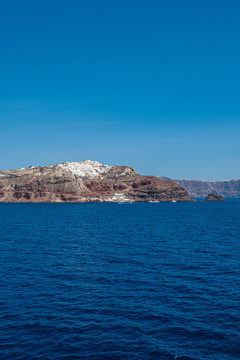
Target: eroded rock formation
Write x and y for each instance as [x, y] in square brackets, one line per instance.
[86, 181]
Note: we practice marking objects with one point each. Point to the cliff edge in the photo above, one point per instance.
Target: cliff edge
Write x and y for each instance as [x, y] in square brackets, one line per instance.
[200, 189]
[86, 181]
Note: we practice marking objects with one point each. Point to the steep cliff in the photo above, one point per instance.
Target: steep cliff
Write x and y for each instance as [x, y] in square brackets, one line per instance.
[86, 181]
[200, 189]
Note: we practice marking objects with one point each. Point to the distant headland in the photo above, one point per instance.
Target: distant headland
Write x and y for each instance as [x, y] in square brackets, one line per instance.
[200, 189]
[86, 181]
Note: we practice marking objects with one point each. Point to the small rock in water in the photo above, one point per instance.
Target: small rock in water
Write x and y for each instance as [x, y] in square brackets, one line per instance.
[214, 197]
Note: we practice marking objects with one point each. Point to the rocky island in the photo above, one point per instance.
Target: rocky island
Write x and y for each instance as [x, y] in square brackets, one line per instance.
[214, 197]
[86, 181]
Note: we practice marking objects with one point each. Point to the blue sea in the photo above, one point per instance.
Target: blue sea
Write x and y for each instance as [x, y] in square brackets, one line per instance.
[120, 281]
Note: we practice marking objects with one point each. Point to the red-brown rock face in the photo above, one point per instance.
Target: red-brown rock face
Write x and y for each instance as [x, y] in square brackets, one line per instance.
[87, 181]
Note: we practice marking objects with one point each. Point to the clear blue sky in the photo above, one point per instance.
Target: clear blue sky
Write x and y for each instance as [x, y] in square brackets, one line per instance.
[150, 84]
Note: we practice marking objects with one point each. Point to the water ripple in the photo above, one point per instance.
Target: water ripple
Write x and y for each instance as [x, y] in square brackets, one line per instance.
[103, 281]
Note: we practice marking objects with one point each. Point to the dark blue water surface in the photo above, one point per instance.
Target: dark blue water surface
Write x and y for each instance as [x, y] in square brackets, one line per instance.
[110, 281]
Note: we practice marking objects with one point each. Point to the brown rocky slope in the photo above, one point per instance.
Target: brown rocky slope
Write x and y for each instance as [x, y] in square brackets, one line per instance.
[86, 181]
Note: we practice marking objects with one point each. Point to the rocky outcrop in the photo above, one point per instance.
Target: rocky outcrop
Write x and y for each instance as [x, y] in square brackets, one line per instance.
[200, 189]
[86, 181]
[214, 197]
